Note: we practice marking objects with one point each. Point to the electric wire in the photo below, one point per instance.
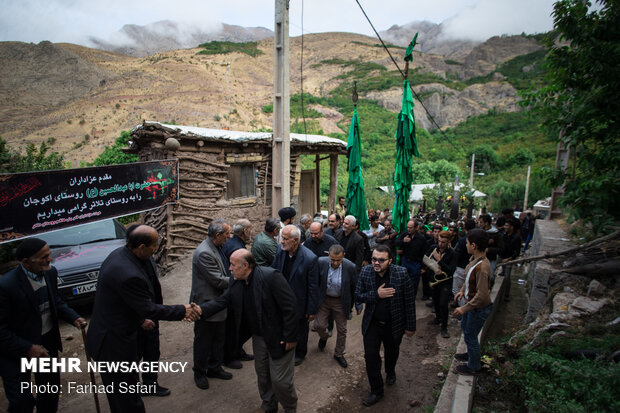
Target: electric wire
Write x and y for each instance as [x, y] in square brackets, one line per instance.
[458, 149]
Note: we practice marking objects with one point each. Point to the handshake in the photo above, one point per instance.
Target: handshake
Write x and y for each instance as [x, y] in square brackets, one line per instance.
[192, 312]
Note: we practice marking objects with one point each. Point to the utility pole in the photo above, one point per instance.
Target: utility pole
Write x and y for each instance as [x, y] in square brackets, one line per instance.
[471, 173]
[281, 149]
[527, 187]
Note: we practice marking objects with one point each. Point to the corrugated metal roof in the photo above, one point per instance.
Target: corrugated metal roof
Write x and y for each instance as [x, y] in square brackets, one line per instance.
[238, 136]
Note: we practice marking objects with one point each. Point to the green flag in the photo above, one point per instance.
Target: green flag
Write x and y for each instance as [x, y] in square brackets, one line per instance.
[406, 146]
[356, 203]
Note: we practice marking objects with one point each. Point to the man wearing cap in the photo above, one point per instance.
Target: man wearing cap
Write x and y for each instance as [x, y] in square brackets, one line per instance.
[286, 218]
[29, 310]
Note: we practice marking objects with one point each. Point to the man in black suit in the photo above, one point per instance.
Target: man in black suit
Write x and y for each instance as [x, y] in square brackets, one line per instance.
[299, 266]
[352, 242]
[233, 349]
[29, 310]
[266, 310]
[390, 312]
[337, 280]
[123, 301]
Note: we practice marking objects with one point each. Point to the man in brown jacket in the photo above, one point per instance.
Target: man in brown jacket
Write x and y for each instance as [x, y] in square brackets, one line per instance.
[477, 295]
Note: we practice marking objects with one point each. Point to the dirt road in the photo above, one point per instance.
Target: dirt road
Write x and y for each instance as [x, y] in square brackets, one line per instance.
[322, 385]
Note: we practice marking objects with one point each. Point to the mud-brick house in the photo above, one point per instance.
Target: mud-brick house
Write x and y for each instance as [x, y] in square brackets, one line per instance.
[226, 174]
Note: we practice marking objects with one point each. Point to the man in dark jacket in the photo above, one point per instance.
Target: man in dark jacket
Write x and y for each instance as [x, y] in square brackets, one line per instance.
[443, 254]
[29, 311]
[319, 242]
[300, 269]
[512, 249]
[411, 245]
[266, 310]
[496, 242]
[122, 302]
[390, 312]
[233, 348]
[352, 242]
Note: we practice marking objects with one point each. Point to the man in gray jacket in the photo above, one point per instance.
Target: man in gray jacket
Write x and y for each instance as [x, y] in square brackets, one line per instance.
[209, 281]
[337, 281]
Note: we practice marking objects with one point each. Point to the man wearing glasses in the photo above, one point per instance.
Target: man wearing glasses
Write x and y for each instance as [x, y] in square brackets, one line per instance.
[387, 291]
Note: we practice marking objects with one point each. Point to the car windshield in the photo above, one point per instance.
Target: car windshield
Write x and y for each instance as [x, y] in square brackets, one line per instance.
[84, 234]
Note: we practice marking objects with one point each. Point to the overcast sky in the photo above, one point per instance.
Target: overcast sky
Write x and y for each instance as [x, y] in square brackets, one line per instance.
[75, 20]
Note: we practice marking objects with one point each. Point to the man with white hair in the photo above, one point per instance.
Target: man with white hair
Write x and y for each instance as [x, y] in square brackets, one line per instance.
[300, 267]
[352, 242]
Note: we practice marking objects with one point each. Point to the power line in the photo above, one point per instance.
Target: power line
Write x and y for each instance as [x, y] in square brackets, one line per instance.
[410, 87]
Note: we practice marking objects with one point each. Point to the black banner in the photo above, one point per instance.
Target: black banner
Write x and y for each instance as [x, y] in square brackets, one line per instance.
[36, 202]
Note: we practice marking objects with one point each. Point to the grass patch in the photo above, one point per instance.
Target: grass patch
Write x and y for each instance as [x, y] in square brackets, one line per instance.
[217, 47]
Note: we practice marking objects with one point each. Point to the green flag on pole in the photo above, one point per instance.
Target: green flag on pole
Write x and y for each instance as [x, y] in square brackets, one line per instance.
[406, 146]
[356, 202]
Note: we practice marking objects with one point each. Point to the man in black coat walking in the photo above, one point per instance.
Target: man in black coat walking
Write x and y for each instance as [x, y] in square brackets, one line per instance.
[123, 301]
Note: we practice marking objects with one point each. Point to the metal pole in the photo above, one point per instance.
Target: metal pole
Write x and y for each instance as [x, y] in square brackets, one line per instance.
[281, 157]
[527, 187]
[471, 173]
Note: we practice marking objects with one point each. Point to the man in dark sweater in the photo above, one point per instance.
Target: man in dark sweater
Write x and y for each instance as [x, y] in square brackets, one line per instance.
[319, 242]
[411, 245]
[512, 249]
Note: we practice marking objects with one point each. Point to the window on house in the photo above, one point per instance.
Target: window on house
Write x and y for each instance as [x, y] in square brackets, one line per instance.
[241, 181]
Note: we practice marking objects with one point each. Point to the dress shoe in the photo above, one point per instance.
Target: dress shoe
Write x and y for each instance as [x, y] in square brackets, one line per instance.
[371, 399]
[390, 379]
[425, 297]
[462, 369]
[247, 357]
[444, 333]
[201, 381]
[322, 344]
[434, 322]
[299, 360]
[341, 360]
[235, 364]
[429, 304]
[219, 374]
[461, 356]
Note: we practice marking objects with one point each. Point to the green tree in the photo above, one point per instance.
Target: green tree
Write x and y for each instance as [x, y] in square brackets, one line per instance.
[113, 155]
[35, 159]
[580, 105]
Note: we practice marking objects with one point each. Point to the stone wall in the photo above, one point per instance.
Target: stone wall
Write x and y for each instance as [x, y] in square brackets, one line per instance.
[548, 237]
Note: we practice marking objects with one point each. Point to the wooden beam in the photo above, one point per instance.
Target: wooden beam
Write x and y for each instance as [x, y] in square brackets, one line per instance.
[333, 182]
[317, 181]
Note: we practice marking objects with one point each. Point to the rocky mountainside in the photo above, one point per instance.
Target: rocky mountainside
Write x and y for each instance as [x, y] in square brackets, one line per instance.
[431, 39]
[166, 35]
[84, 98]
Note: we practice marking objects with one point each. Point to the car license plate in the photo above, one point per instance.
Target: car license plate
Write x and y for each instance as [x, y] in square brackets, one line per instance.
[84, 288]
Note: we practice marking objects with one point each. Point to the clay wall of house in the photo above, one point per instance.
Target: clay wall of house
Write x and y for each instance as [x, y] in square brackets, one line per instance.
[203, 178]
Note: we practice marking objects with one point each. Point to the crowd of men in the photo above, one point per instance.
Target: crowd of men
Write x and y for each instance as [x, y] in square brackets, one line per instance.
[295, 277]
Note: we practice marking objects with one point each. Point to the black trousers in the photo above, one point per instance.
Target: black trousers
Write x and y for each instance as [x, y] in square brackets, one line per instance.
[301, 349]
[441, 301]
[376, 334]
[12, 379]
[120, 401]
[148, 350]
[208, 345]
